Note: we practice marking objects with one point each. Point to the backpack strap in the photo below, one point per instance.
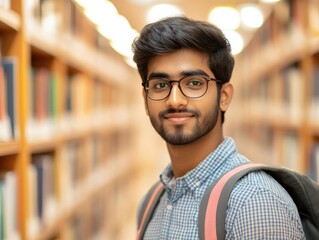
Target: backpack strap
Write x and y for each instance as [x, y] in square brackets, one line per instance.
[212, 212]
[148, 206]
[302, 189]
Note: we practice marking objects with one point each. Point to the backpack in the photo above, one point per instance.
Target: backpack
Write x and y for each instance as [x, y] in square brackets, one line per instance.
[212, 212]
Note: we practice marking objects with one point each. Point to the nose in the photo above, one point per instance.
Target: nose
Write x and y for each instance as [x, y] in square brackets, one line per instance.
[176, 99]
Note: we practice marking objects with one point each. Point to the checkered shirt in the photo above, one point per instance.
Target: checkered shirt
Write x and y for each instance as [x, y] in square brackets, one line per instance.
[258, 208]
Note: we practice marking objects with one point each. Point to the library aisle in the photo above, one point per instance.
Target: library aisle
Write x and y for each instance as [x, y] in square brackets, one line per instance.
[77, 151]
[277, 83]
[70, 155]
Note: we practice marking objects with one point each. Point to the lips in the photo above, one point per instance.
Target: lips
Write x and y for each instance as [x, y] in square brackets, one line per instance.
[178, 118]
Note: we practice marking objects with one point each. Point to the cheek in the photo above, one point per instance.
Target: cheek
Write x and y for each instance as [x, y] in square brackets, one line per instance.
[153, 109]
[206, 104]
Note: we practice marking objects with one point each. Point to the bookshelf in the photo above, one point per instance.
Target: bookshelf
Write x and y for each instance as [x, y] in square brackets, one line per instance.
[70, 153]
[276, 79]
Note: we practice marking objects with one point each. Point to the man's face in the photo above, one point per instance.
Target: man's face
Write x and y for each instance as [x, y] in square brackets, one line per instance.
[178, 119]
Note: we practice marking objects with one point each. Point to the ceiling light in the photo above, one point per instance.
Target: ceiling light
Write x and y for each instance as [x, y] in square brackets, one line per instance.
[236, 41]
[160, 11]
[251, 16]
[82, 3]
[226, 18]
[114, 29]
[123, 44]
[269, 1]
[100, 11]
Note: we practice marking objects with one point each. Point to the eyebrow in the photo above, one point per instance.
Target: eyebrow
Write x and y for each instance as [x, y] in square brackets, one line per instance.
[185, 73]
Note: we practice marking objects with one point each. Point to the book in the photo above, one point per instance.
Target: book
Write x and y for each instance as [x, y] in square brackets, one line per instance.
[2, 89]
[291, 150]
[5, 128]
[76, 103]
[2, 94]
[313, 16]
[9, 213]
[313, 170]
[33, 224]
[43, 164]
[9, 67]
[293, 89]
[49, 16]
[315, 95]
[52, 97]
[75, 170]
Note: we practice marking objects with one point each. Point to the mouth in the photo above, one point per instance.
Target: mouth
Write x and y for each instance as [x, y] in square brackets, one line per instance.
[178, 118]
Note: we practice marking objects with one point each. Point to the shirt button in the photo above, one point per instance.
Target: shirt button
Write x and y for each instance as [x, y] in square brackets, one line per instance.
[169, 207]
[197, 183]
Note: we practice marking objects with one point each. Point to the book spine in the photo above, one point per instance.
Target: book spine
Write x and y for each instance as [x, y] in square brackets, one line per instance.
[9, 66]
[44, 187]
[9, 214]
[313, 170]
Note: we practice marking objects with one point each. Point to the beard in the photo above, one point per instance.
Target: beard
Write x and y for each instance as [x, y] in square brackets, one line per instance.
[179, 136]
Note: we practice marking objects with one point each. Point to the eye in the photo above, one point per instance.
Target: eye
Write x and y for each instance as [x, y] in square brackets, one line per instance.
[161, 85]
[194, 82]
[158, 84]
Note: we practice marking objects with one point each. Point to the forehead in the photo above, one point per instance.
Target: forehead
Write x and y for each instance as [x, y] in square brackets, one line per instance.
[175, 63]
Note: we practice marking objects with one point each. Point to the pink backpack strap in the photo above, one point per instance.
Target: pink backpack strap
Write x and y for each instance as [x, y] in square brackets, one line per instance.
[213, 207]
[149, 204]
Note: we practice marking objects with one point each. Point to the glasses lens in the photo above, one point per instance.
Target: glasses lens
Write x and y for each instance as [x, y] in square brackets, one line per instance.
[191, 86]
[194, 86]
[158, 88]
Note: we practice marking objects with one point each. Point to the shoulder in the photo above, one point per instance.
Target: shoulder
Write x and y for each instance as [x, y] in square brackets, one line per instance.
[259, 207]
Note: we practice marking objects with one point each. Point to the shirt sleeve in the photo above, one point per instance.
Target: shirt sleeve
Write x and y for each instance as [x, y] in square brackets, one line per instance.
[265, 216]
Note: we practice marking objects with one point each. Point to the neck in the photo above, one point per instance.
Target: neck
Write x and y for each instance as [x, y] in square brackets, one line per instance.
[184, 158]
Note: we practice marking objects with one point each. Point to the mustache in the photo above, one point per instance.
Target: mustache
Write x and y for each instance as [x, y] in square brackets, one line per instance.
[167, 111]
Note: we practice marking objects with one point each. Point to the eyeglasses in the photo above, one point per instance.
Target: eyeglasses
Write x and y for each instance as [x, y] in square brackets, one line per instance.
[194, 86]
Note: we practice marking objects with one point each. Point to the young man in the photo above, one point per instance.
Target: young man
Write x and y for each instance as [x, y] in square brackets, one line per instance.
[186, 66]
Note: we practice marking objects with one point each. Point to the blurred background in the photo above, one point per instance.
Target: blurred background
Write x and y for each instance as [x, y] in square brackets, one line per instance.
[77, 151]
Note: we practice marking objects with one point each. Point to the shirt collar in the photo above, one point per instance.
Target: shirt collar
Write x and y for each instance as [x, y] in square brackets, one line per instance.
[206, 168]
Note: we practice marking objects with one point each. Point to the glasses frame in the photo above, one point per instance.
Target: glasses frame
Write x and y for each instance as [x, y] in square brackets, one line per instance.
[207, 78]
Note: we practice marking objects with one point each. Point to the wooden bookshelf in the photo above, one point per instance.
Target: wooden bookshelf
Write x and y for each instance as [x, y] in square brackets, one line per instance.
[9, 20]
[276, 79]
[74, 153]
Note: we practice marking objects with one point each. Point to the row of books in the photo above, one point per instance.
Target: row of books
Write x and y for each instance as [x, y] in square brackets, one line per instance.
[78, 102]
[43, 183]
[43, 13]
[46, 14]
[43, 97]
[281, 95]
[80, 167]
[90, 221]
[278, 148]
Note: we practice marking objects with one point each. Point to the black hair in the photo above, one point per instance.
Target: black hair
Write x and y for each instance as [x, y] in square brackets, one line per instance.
[174, 33]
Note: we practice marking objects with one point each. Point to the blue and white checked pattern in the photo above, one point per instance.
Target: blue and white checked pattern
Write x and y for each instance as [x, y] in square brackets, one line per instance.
[258, 208]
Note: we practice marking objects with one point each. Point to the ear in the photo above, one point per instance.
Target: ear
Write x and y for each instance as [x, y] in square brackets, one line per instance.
[227, 92]
[145, 103]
